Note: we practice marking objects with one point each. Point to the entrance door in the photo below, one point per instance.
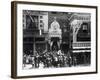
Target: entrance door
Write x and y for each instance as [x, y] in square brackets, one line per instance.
[55, 46]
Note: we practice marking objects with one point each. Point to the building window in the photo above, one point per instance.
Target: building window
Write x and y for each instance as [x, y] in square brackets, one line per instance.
[41, 21]
[85, 28]
[41, 17]
[84, 33]
[32, 21]
[41, 25]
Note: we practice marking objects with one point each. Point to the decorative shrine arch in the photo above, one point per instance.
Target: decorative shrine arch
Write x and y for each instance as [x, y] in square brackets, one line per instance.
[55, 32]
[76, 20]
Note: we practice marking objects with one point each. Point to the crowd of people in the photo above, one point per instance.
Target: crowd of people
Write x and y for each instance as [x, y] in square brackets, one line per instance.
[49, 59]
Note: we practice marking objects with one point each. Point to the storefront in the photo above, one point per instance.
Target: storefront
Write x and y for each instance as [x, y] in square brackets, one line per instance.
[81, 46]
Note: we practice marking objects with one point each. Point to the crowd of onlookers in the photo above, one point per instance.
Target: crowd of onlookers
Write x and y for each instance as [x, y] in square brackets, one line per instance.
[52, 59]
[48, 59]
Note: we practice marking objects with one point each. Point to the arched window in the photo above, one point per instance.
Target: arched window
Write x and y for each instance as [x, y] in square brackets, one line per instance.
[84, 32]
[85, 27]
[32, 22]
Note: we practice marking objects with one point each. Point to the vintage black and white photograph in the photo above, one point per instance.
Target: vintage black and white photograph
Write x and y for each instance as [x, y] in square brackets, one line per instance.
[56, 39]
[53, 39]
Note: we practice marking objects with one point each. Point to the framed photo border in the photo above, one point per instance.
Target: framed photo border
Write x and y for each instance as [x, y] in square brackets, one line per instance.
[14, 38]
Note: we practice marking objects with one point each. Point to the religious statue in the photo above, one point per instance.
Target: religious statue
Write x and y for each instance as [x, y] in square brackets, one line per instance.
[55, 27]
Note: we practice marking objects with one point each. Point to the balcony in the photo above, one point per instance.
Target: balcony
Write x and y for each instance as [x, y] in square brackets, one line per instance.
[79, 45]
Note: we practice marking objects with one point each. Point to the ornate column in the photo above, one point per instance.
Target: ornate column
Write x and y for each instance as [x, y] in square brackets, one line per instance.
[51, 45]
[46, 43]
[60, 41]
[34, 46]
[49, 41]
[76, 25]
[24, 21]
